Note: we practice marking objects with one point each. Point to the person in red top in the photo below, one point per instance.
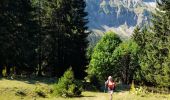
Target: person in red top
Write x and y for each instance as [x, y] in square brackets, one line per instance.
[110, 84]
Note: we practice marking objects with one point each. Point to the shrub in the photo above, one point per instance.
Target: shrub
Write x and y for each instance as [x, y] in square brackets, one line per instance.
[132, 88]
[141, 90]
[138, 91]
[67, 86]
[4, 73]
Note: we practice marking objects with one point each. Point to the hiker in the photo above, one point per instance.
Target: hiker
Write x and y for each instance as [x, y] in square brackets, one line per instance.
[110, 84]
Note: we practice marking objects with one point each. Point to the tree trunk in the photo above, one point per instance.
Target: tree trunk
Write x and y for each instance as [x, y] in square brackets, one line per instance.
[39, 74]
[1, 68]
[7, 71]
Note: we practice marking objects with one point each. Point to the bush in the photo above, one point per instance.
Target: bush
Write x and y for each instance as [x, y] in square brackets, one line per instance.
[4, 73]
[67, 86]
[132, 87]
[138, 91]
[141, 91]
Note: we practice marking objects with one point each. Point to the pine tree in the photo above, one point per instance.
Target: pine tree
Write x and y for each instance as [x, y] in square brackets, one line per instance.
[78, 35]
[155, 56]
[43, 36]
[67, 86]
[58, 30]
[26, 41]
[7, 29]
[42, 49]
[3, 33]
[17, 29]
[68, 36]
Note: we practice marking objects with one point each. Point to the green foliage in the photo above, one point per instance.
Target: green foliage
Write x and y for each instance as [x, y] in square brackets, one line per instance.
[138, 91]
[125, 62]
[67, 86]
[154, 55]
[40, 36]
[100, 64]
[111, 57]
[141, 91]
[89, 51]
[18, 31]
[4, 72]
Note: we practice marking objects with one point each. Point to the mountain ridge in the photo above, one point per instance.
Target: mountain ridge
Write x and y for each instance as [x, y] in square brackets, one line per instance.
[120, 16]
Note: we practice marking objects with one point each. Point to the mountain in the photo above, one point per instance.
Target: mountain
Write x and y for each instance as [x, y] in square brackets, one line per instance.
[120, 16]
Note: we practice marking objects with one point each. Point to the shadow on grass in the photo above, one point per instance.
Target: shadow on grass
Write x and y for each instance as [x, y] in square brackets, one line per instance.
[35, 80]
[82, 96]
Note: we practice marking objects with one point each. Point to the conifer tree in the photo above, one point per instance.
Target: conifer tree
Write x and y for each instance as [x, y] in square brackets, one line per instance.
[69, 36]
[17, 31]
[78, 35]
[43, 36]
[155, 56]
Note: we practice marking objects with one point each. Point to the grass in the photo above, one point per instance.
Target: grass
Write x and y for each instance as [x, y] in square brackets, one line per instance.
[25, 90]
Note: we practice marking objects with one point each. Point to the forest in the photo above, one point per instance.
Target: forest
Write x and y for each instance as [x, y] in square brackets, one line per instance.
[43, 38]
[47, 39]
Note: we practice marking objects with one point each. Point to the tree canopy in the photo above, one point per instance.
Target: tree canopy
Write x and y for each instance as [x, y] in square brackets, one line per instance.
[101, 58]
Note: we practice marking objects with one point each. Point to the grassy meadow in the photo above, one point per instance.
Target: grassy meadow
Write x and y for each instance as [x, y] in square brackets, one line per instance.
[42, 90]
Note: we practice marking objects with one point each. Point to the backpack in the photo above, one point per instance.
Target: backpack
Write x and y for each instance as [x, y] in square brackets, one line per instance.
[110, 85]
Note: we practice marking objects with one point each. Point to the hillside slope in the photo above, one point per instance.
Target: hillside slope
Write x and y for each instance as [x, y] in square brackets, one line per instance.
[15, 89]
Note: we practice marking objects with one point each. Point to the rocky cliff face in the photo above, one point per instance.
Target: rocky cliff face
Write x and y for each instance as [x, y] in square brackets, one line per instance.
[120, 16]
